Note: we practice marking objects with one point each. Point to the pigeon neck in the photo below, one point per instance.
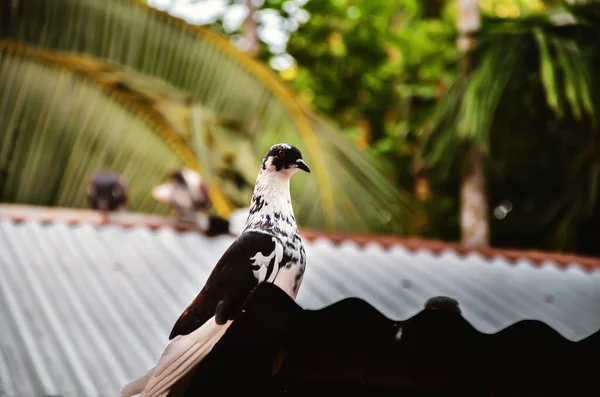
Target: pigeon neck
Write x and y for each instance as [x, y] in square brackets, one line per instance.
[271, 204]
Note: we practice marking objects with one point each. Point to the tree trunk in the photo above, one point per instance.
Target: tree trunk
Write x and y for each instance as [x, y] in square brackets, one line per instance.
[468, 22]
[250, 30]
[474, 218]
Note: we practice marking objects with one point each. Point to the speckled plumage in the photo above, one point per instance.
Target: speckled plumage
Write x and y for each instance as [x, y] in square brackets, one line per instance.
[271, 212]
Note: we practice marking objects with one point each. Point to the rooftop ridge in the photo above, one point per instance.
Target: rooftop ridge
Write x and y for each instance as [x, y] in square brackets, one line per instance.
[18, 213]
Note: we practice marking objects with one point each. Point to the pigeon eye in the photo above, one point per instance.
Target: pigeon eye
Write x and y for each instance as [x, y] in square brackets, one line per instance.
[281, 153]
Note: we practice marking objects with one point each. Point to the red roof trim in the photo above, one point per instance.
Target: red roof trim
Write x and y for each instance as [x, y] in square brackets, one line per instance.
[438, 247]
[47, 215]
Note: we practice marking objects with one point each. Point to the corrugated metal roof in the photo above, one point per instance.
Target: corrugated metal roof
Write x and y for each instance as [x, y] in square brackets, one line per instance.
[21, 213]
[85, 308]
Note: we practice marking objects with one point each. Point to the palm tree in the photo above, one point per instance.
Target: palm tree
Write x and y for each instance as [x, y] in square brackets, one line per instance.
[554, 53]
[64, 115]
[222, 107]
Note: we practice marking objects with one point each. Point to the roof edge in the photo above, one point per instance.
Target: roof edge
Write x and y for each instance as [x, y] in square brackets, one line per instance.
[415, 244]
[19, 213]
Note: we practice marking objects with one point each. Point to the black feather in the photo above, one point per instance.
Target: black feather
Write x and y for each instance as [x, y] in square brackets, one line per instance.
[228, 286]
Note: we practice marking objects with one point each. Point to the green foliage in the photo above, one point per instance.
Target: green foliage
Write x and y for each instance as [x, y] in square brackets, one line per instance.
[59, 124]
[532, 102]
[379, 69]
[387, 71]
[235, 89]
[365, 61]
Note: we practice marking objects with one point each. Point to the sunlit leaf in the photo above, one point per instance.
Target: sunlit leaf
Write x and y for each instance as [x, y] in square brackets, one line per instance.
[547, 71]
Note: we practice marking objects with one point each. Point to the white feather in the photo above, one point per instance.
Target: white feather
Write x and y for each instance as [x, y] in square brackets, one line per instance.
[263, 262]
[274, 187]
[182, 354]
[172, 195]
[163, 192]
[192, 178]
[137, 385]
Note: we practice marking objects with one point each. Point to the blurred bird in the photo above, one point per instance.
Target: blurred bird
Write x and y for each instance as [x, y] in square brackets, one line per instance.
[268, 250]
[187, 194]
[106, 191]
[189, 197]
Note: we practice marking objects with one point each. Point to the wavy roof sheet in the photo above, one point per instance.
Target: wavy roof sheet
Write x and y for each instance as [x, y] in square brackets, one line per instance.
[85, 308]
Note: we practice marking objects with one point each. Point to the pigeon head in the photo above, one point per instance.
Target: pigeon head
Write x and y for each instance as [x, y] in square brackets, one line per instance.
[106, 191]
[284, 158]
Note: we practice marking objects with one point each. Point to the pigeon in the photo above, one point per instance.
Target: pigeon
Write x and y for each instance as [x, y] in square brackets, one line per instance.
[106, 191]
[268, 250]
[186, 193]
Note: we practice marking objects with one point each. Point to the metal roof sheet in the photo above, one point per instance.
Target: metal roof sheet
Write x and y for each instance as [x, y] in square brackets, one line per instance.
[85, 308]
[21, 213]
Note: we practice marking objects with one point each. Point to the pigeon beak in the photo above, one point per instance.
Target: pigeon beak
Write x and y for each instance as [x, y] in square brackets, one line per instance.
[302, 165]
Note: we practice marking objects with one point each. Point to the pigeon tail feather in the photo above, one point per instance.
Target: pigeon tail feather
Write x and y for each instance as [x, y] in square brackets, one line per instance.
[137, 385]
[182, 354]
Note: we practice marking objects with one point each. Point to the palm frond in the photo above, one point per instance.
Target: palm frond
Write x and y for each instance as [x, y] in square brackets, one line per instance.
[62, 116]
[229, 159]
[532, 76]
[222, 79]
[388, 210]
[510, 55]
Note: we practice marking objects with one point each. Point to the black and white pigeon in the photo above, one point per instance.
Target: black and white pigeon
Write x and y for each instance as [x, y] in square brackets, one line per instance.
[268, 250]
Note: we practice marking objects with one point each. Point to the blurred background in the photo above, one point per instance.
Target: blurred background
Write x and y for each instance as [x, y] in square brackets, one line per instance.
[458, 140]
[454, 120]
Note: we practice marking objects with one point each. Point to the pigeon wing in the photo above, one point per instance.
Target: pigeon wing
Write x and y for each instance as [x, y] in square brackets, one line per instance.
[230, 283]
